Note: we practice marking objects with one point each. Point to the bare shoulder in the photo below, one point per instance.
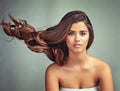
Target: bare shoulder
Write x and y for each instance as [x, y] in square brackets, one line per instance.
[104, 75]
[52, 69]
[53, 66]
[101, 64]
[52, 77]
[103, 68]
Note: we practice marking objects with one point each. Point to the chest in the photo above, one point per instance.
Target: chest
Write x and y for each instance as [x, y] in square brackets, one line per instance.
[78, 78]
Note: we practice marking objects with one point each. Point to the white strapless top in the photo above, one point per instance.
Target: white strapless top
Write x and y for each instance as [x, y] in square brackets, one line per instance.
[84, 89]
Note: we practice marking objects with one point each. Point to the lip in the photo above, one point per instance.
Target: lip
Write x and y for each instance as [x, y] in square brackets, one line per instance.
[77, 45]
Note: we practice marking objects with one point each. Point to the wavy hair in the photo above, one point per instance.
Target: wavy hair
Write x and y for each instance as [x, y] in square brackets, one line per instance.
[52, 40]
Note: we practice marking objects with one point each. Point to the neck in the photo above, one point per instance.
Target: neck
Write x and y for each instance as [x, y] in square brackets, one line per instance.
[78, 58]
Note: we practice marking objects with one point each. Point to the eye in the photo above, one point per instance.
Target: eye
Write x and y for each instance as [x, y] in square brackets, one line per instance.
[83, 33]
[70, 33]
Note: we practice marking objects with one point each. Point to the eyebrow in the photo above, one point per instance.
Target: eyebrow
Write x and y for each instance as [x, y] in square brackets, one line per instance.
[83, 30]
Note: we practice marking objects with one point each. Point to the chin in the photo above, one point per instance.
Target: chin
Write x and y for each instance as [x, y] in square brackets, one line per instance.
[78, 51]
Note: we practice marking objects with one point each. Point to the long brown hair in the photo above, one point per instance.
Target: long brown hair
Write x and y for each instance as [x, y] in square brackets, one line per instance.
[52, 40]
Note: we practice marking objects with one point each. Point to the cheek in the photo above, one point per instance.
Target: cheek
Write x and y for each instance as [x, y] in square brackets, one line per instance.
[87, 40]
[69, 41]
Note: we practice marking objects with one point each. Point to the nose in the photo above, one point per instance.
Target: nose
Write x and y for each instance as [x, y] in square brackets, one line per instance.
[77, 38]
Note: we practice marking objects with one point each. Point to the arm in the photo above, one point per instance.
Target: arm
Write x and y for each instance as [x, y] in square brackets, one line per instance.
[106, 82]
[51, 79]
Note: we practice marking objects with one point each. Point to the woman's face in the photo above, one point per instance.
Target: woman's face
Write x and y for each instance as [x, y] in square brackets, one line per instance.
[77, 38]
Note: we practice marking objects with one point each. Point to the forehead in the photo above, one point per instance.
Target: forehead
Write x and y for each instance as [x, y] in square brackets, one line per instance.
[79, 26]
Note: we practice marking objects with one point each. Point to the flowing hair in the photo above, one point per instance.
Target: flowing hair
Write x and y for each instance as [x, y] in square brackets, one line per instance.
[52, 40]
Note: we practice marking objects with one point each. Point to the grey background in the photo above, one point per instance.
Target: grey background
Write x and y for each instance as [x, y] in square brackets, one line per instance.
[23, 70]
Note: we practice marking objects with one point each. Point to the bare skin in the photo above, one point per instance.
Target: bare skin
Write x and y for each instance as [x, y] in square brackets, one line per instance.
[81, 69]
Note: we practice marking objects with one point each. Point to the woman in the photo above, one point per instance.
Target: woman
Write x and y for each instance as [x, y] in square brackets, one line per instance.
[66, 44]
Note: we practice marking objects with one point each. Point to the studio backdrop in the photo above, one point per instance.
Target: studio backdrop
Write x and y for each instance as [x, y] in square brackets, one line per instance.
[24, 70]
